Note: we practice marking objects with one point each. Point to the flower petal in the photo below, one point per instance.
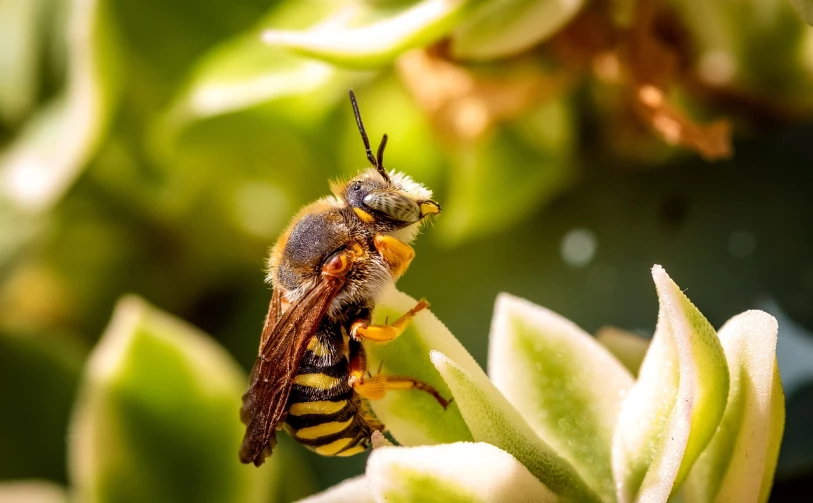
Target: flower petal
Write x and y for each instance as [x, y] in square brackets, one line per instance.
[414, 417]
[740, 460]
[160, 400]
[355, 490]
[567, 386]
[502, 29]
[386, 31]
[676, 404]
[628, 347]
[492, 419]
[463, 471]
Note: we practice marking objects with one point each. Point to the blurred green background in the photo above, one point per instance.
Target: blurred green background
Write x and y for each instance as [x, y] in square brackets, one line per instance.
[159, 148]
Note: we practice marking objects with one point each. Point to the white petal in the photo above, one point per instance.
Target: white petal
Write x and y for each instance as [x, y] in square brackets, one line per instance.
[355, 490]
[567, 386]
[739, 463]
[463, 471]
[414, 417]
[492, 419]
[675, 406]
[628, 347]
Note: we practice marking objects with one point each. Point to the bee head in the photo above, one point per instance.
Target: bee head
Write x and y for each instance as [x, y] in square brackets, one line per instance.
[391, 200]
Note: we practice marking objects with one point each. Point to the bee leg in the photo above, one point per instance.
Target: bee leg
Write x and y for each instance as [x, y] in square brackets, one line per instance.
[361, 329]
[397, 254]
[375, 387]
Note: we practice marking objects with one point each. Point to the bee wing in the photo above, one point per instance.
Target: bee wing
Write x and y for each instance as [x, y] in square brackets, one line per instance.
[271, 319]
[281, 352]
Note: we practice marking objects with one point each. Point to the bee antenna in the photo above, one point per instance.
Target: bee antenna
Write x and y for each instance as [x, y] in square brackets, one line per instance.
[380, 158]
[376, 162]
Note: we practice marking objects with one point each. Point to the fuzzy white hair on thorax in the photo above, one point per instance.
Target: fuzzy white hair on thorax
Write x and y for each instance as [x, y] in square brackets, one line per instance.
[405, 183]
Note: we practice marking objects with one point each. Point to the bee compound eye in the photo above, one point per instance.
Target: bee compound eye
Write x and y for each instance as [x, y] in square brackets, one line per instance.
[337, 265]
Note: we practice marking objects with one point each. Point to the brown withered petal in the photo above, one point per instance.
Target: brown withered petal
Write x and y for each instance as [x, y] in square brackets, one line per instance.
[712, 141]
[464, 105]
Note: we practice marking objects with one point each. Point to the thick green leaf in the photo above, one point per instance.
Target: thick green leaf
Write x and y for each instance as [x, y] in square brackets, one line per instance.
[39, 376]
[21, 40]
[55, 145]
[372, 34]
[164, 38]
[805, 9]
[459, 472]
[484, 196]
[243, 72]
[500, 29]
[32, 491]
[157, 419]
[492, 419]
[740, 460]
[355, 490]
[677, 403]
[629, 348]
[18, 226]
[414, 417]
[566, 385]
[794, 350]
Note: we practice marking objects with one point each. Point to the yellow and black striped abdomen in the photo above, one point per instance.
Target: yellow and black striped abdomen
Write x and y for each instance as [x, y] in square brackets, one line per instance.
[324, 413]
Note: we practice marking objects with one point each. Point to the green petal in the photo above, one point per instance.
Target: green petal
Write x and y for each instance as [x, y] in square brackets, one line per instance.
[506, 28]
[53, 147]
[21, 40]
[675, 406]
[628, 347]
[414, 417]
[355, 490]
[32, 491]
[740, 460]
[371, 34]
[459, 472]
[157, 418]
[492, 419]
[568, 387]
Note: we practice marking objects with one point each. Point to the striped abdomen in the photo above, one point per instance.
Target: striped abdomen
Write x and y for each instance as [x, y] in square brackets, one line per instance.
[324, 413]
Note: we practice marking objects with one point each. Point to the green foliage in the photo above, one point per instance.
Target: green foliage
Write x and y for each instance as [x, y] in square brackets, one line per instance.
[45, 373]
[160, 147]
[805, 10]
[155, 420]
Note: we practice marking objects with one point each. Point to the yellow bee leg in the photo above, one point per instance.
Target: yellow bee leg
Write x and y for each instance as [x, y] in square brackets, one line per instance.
[375, 387]
[384, 333]
[397, 254]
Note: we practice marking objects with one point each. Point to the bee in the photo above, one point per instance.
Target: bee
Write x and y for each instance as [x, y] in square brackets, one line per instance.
[327, 270]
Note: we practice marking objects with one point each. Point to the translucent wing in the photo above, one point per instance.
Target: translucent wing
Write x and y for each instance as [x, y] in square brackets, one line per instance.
[283, 344]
